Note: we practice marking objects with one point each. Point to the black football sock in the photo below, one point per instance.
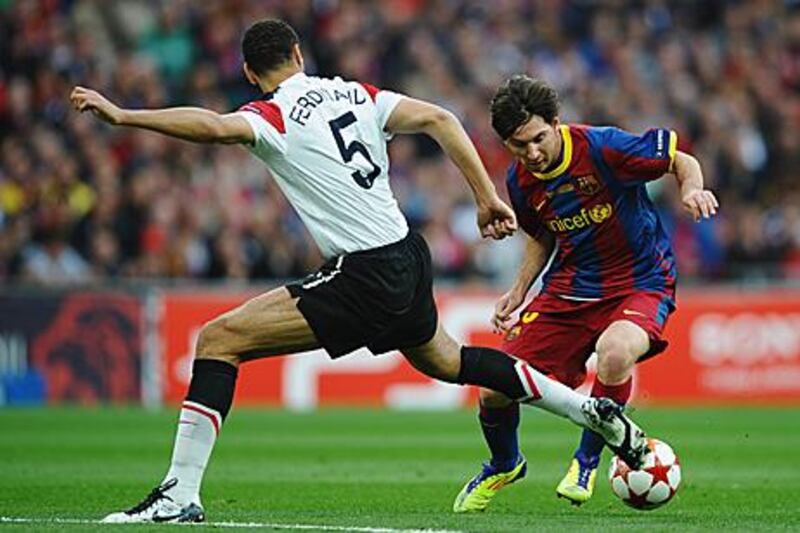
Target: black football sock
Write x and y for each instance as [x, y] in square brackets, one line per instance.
[491, 369]
[499, 426]
[212, 385]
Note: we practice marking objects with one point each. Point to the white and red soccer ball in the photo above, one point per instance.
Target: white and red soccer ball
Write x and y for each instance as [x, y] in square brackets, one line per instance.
[651, 486]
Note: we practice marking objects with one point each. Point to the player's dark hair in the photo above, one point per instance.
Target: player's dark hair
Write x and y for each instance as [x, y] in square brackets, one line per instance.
[520, 98]
[268, 44]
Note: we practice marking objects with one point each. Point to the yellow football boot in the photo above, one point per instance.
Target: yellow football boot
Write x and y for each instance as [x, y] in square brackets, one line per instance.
[480, 490]
[578, 485]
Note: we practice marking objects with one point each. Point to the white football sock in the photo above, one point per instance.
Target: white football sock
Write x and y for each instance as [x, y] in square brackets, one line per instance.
[198, 427]
[550, 395]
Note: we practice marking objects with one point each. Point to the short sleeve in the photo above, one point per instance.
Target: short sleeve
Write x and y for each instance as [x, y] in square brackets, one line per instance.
[527, 218]
[639, 158]
[385, 102]
[266, 121]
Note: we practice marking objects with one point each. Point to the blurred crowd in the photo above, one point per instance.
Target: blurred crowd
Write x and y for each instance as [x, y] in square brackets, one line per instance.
[81, 201]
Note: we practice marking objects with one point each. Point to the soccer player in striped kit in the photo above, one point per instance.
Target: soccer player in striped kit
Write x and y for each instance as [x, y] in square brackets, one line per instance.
[611, 286]
[325, 142]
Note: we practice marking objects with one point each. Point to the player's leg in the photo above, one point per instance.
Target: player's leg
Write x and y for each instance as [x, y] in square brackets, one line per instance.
[436, 354]
[499, 420]
[443, 358]
[267, 325]
[632, 332]
[551, 342]
[618, 348]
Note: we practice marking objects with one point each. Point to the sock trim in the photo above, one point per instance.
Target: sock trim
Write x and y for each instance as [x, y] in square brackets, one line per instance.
[216, 419]
[525, 377]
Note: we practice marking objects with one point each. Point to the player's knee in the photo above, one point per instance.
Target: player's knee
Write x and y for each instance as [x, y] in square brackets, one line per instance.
[213, 342]
[613, 368]
[493, 399]
[615, 357]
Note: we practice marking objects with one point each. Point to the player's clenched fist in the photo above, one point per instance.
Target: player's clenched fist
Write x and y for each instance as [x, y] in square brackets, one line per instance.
[84, 99]
[700, 203]
[496, 219]
[503, 309]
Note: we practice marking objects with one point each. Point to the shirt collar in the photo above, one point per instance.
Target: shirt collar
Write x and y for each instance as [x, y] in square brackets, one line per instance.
[566, 156]
[297, 77]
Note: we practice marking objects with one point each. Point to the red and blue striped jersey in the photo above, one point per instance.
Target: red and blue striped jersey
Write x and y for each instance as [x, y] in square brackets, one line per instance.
[610, 240]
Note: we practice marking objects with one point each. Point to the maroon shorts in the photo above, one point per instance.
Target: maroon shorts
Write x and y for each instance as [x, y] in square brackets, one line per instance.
[557, 336]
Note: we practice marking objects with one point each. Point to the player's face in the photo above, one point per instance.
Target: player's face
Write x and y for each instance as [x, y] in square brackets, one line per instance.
[536, 144]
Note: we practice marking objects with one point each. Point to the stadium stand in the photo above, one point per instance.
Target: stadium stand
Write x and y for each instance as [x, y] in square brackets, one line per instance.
[80, 202]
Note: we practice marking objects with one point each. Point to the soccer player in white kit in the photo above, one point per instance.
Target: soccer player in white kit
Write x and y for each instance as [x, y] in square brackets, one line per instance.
[324, 140]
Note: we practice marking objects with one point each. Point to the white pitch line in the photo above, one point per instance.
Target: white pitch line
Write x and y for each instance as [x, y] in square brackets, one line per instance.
[245, 525]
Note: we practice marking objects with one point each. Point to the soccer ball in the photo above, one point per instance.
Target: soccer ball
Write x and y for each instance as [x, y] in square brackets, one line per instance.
[654, 484]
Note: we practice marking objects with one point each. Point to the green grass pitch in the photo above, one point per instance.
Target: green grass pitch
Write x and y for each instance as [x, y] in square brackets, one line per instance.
[381, 469]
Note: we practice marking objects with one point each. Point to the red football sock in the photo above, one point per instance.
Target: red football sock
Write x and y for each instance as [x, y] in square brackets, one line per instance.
[619, 393]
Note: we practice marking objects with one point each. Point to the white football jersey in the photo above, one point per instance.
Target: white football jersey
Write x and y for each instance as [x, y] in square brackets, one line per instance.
[324, 142]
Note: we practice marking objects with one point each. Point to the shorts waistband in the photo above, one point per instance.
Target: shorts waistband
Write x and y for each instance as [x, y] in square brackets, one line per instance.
[387, 247]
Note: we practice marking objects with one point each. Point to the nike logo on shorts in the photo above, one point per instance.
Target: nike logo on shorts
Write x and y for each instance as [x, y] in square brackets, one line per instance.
[630, 312]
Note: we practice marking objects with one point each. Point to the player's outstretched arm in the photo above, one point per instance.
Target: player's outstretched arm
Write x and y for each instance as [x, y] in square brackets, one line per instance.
[701, 203]
[188, 123]
[537, 252]
[495, 218]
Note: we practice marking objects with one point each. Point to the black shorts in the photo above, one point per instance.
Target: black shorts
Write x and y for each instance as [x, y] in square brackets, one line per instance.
[380, 298]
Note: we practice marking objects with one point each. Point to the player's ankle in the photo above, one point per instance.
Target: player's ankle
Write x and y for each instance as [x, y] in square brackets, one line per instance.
[587, 460]
[505, 465]
[183, 495]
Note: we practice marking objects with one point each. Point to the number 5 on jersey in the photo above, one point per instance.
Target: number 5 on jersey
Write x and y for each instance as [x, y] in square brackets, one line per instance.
[348, 151]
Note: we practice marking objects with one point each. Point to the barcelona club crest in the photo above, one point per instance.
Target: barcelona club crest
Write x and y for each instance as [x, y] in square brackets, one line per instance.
[587, 184]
